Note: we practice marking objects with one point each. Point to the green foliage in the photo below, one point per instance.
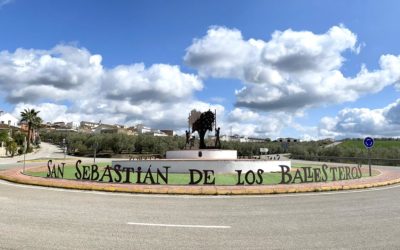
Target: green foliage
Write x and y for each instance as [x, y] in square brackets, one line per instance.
[19, 138]
[253, 148]
[11, 148]
[385, 151]
[379, 143]
[83, 144]
[3, 136]
[31, 117]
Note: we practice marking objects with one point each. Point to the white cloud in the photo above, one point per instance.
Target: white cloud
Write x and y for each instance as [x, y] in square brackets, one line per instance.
[292, 71]
[160, 82]
[250, 123]
[67, 83]
[360, 122]
[60, 73]
[5, 2]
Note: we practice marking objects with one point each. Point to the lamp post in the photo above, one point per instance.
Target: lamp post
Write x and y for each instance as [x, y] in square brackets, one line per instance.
[95, 145]
[64, 147]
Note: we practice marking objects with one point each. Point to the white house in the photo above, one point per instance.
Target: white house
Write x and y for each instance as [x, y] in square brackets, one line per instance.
[8, 119]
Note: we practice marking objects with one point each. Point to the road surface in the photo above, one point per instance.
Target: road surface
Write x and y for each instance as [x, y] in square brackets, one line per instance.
[40, 218]
[43, 218]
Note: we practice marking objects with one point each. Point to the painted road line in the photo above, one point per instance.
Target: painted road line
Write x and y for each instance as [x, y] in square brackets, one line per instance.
[2, 198]
[177, 225]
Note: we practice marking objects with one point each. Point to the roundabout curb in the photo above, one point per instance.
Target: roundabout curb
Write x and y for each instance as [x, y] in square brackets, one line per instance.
[385, 177]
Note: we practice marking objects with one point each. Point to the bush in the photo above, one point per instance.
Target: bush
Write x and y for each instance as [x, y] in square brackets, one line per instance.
[12, 148]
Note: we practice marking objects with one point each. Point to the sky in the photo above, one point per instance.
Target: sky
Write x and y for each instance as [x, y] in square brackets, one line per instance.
[303, 69]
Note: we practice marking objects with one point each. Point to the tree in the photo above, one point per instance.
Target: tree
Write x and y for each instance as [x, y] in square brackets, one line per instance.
[3, 136]
[31, 117]
[12, 147]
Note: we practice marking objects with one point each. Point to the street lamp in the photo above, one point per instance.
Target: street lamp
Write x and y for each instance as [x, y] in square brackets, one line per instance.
[65, 148]
[95, 145]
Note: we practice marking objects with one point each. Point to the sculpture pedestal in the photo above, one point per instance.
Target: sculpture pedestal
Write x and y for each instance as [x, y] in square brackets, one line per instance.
[220, 161]
[200, 154]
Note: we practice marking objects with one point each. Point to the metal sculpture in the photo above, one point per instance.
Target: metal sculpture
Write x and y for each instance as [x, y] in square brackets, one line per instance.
[202, 125]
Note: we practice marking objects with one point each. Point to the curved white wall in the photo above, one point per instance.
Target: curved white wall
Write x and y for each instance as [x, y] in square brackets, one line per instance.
[212, 154]
[219, 166]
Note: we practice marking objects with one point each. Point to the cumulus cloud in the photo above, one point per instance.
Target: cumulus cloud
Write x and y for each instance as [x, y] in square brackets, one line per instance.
[360, 122]
[292, 71]
[68, 83]
[160, 82]
[31, 75]
[250, 123]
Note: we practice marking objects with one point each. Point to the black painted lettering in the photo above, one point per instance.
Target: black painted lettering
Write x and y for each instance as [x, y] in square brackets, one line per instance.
[61, 170]
[308, 175]
[78, 174]
[192, 178]
[149, 176]
[260, 177]
[161, 176]
[95, 173]
[127, 174]
[348, 177]
[117, 170]
[139, 172]
[359, 170]
[49, 168]
[324, 172]
[286, 176]
[107, 172]
[209, 178]
[317, 175]
[341, 173]
[239, 174]
[298, 176]
[250, 180]
[354, 173]
[333, 171]
[86, 173]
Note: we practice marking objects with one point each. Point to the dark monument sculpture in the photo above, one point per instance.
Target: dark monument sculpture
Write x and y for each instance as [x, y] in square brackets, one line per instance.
[202, 125]
[217, 141]
[187, 137]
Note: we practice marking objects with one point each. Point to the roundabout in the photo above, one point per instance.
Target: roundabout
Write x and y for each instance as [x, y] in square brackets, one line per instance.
[383, 176]
[41, 217]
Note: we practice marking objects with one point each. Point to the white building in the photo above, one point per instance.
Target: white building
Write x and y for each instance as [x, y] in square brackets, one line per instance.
[8, 119]
[141, 129]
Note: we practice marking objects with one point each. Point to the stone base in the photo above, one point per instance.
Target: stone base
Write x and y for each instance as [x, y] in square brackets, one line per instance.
[202, 154]
[219, 166]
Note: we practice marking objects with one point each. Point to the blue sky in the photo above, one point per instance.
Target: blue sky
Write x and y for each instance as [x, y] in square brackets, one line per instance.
[200, 55]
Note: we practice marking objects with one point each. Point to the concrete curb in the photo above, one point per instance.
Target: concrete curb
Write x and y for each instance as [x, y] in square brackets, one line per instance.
[383, 179]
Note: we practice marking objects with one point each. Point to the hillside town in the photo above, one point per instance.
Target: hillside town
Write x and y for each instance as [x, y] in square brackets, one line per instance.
[10, 124]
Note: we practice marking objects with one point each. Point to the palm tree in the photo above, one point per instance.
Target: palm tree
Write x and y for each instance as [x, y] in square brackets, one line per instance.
[31, 117]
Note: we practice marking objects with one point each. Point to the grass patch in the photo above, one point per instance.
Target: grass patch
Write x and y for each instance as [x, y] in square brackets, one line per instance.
[184, 179]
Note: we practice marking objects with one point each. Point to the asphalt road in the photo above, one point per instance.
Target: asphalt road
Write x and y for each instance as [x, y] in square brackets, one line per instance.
[40, 218]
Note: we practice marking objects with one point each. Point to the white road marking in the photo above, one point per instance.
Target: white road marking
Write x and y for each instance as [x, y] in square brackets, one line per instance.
[2, 198]
[202, 197]
[177, 225]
